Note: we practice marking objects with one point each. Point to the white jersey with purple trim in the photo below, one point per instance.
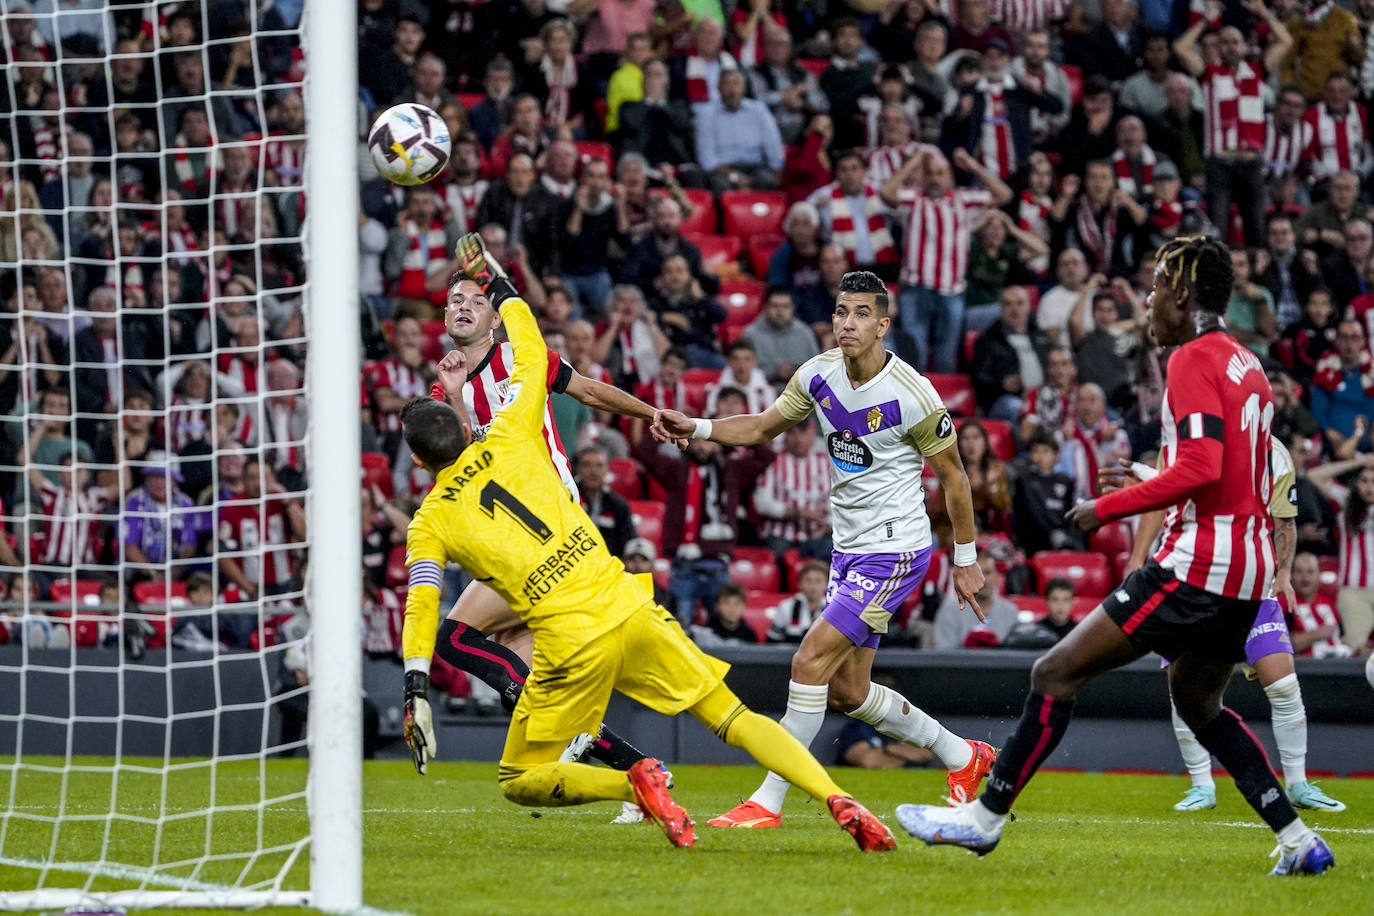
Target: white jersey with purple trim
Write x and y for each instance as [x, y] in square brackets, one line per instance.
[877, 436]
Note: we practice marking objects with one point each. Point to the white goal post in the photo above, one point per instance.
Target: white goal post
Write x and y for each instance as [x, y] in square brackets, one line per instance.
[148, 779]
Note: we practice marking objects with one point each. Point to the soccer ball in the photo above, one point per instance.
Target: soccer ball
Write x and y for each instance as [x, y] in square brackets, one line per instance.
[409, 144]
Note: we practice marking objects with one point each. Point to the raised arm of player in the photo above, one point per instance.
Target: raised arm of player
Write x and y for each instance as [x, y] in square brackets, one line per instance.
[425, 559]
[745, 429]
[949, 468]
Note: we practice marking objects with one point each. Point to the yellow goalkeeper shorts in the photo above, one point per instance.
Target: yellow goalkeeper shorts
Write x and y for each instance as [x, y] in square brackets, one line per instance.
[648, 658]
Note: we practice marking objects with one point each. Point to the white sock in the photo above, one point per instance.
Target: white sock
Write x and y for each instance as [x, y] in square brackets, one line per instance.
[805, 714]
[892, 715]
[1290, 727]
[1369, 670]
[1292, 837]
[985, 819]
[1195, 756]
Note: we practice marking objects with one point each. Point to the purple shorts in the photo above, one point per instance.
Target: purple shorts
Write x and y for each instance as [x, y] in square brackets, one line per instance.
[1268, 634]
[866, 589]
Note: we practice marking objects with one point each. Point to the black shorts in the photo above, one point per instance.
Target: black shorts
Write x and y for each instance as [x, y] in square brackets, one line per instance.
[1168, 616]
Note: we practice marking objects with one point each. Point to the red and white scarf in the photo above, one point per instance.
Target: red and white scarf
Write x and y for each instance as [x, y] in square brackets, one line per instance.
[843, 220]
[561, 81]
[995, 148]
[1097, 238]
[697, 88]
[50, 145]
[427, 248]
[1166, 217]
[185, 171]
[1125, 179]
[1330, 373]
[1033, 215]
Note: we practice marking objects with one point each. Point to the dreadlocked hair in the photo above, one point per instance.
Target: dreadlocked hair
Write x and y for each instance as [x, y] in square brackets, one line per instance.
[1202, 266]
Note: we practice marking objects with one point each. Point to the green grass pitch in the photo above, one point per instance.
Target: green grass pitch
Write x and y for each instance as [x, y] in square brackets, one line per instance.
[449, 844]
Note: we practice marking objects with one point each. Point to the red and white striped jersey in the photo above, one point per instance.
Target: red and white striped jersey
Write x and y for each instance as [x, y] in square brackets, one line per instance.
[885, 161]
[257, 532]
[1283, 149]
[792, 483]
[1233, 109]
[286, 158]
[399, 378]
[1021, 16]
[1309, 616]
[71, 525]
[1336, 144]
[487, 392]
[1217, 480]
[1356, 545]
[937, 237]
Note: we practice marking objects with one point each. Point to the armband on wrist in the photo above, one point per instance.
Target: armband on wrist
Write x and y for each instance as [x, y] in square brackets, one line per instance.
[965, 554]
[703, 429]
[417, 685]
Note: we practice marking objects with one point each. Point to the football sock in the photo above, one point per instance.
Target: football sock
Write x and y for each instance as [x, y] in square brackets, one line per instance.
[556, 785]
[613, 750]
[805, 715]
[1236, 749]
[771, 745]
[1290, 727]
[1369, 670]
[1195, 756]
[894, 716]
[1043, 723]
[468, 649]
[1292, 837]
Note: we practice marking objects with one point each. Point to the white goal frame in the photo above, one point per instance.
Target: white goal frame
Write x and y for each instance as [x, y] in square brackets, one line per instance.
[333, 591]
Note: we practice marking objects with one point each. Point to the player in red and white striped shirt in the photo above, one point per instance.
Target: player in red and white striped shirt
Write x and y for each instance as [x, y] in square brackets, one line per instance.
[1195, 602]
[935, 261]
[1233, 115]
[793, 495]
[1286, 134]
[1337, 132]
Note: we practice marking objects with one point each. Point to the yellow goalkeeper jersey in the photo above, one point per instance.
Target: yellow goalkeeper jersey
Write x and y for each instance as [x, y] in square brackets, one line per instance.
[504, 514]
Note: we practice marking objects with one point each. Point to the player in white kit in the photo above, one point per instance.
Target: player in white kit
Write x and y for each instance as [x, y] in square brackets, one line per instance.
[881, 421]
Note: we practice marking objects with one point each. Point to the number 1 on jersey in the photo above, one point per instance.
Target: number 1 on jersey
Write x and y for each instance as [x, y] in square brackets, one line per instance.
[1258, 423]
[493, 495]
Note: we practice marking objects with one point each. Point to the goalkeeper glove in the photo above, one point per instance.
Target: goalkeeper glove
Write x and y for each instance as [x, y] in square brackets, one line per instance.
[474, 260]
[419, 722]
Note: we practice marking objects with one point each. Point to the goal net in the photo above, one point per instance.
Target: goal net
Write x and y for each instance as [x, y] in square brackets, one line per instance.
[160, 455]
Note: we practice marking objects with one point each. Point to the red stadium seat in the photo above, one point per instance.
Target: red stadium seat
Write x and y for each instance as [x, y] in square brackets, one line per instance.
[396, 573]
[87, 591]
[761, 249]
[648, 521]
[750, 213]
[743, 300]
[694, 385]
[377, 472]
[623, 478]
[1083, 605]
[999, 436]
[970, 338]
[1089, 572]
[702, 219]
[469, 99]
[729, 333]
[716, 249]
[1112, 539]
[792, 562]
[150, 595]
[594, 149]
[755, 568]
[956, 391]
[817, 65]
[1038, 608]
[757, 605]
[1033, 294]
[1330, 576]
[1074, 77]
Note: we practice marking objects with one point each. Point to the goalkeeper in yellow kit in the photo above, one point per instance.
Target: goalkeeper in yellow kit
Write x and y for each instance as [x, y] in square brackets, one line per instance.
[499, 508]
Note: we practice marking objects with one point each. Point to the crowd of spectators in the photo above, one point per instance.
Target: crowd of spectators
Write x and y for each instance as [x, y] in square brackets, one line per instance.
[1007, 166]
